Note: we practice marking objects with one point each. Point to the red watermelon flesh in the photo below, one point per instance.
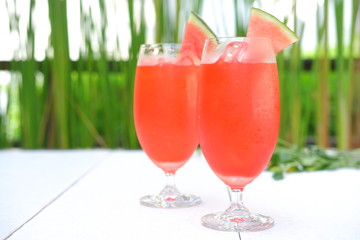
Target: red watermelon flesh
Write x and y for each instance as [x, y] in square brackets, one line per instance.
[196, 32]
[262, 24]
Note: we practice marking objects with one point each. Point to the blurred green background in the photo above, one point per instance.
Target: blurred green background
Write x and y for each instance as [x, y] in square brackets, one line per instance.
[52, 96]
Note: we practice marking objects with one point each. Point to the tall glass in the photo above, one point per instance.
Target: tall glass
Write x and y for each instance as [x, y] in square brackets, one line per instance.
[165, 114]
[238, 121]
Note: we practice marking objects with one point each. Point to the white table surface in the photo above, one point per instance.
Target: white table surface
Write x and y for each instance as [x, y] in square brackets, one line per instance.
[94, 194]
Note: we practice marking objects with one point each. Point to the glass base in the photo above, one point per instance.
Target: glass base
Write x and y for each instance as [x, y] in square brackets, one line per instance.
[170, 197]
[231, 222]
[180, 201]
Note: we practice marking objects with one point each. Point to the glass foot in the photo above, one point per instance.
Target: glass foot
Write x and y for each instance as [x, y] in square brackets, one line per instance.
[180, 201]
[223, 221]
[170, 197]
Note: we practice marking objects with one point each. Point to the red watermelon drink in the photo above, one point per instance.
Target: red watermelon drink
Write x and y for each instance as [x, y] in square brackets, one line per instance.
[238, 121]
[165, 107]
[238, 110]
[239, 113]
[164, 113]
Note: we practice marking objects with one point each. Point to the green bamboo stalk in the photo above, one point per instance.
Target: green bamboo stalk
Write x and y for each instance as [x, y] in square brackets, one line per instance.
[79, 133]
[60, 71]
[321, 74]
[295, 101]
[357, 107]
[159, 19]
[285, 133]
[93, 111]
[280, 58]
[122, 95]
[137, 38]
[242, 14]
[196, 5]
[88, 76]
[177, 37]
[168, 23]
[83, 131]
[304, 96]
[106, 88]
[46, 100]
[18, 66]
[353, 78]
[77, 95]
[47, 135]
[86, 84]
[28, 90]
[14, 109]
[3, 119]
[238, 30]
[298, 99]
[343, 121]
[3, 137]
[2, 130]
[308, 111]
[295, 97]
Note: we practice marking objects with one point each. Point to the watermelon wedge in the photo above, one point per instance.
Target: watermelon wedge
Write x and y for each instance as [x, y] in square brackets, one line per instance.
[263, 24]
[196, 31]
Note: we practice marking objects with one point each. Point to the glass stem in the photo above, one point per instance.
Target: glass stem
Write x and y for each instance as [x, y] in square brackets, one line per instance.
[236, 201]
[170, 179]
[169, 191]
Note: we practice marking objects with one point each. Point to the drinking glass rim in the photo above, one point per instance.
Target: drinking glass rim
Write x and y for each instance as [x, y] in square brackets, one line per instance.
[163, 44]
[217, 38]
[215, 46]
